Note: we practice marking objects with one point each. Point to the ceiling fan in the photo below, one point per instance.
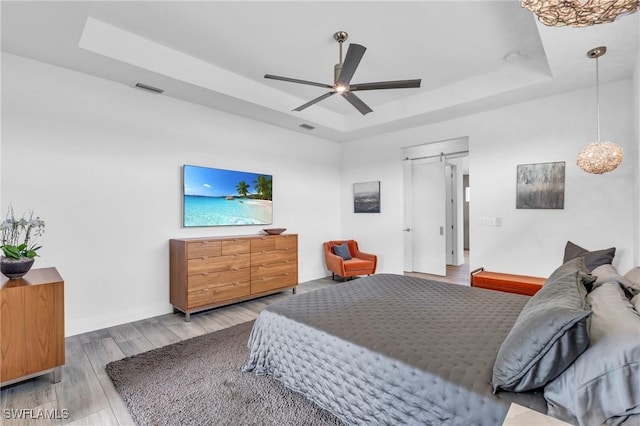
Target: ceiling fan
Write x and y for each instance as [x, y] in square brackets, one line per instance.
[342, 74]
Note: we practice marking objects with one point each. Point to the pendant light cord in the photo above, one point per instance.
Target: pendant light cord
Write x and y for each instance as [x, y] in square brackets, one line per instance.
[598, 98]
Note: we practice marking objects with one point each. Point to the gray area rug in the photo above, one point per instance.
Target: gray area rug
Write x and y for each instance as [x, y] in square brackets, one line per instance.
[199, 382]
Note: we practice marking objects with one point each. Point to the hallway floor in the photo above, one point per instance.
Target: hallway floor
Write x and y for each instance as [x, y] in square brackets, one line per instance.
[455, 274]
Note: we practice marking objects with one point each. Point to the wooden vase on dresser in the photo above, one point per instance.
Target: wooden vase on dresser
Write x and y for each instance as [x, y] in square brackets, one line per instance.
[206, 273]
[32, 327]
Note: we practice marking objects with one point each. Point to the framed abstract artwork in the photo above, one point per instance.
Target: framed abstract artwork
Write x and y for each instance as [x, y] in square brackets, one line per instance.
[366, 197]
[540, 186]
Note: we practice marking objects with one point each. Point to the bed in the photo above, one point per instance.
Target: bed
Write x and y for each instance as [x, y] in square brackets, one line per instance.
[390, 349]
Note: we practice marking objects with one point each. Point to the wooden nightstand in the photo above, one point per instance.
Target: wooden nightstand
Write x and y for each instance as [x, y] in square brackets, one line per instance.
[520, 284]
[523, 416]
[32, 328]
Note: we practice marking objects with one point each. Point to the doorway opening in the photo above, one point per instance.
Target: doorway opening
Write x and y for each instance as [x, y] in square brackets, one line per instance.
[435, 202]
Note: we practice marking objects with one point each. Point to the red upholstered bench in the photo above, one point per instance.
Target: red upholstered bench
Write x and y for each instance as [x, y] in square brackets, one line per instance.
[510, 283]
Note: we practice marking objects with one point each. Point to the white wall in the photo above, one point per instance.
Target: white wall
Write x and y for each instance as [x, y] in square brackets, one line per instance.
[598, 210]
[636, 120]
[100, 162]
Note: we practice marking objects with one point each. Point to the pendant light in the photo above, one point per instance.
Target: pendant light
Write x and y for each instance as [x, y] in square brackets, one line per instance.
[579, 13]
[599, 157]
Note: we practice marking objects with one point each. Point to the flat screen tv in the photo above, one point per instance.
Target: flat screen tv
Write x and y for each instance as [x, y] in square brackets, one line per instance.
[218, 197]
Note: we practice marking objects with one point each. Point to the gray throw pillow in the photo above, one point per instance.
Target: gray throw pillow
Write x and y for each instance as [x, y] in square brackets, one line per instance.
[548, 335]
[633, 276]
[602, 385]
[606, 273]
[572, 265]
[592, 259]
[635, 301]
[342, 250]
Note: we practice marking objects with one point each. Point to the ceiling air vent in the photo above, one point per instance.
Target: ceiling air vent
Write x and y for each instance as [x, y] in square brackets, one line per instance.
[148, 88]
[307, 127]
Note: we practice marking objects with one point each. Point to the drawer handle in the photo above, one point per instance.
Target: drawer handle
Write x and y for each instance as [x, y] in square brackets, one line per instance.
[204, 258]
[205, 242]
[206, 274]
[205, 289]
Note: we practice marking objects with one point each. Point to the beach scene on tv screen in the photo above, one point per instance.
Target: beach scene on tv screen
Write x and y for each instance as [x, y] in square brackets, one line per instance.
[218, 197]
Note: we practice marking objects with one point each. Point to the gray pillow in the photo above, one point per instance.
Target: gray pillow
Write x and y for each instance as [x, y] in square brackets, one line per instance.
[342, 250]
[601, 386]
[592, 259]
[606, 273]
[572, 265]
[548, 335]
[634, 277]
[635, 301]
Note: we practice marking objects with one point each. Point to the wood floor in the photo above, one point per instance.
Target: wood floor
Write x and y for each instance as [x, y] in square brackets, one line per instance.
[455, 274]
[86, 395]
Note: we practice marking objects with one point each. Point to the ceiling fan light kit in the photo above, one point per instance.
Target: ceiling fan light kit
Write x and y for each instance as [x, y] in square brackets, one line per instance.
[343, 72]
[579, 13]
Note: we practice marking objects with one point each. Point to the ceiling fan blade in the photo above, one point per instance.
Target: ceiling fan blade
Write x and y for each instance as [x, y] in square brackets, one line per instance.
[295, 80]
[350, 64]
[357, 102]
[314, 101]
[398, 84]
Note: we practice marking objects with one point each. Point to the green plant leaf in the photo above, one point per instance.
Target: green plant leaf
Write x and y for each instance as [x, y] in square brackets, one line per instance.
[11, 252]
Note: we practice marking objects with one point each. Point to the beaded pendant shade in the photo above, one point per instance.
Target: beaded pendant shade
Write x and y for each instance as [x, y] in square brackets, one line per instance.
[601, 156]
[579, 13]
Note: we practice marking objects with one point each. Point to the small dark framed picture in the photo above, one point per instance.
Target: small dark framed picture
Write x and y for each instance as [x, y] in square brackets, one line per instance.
[366, 197]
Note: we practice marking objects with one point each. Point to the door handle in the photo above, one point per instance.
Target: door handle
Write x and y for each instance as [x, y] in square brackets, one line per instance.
[442, 230]
[407, 229]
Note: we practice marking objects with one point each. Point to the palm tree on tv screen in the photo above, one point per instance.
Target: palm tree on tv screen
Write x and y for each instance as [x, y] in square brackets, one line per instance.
[242, 188]
[263, 185]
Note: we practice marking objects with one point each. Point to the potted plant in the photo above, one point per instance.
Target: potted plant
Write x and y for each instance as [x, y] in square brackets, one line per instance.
[19, 248]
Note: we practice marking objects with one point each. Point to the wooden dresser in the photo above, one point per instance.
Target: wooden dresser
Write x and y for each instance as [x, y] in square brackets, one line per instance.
[206, 273]
[32, 328]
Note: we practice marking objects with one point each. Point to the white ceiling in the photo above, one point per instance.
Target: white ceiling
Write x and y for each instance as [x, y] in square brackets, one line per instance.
[216, 53]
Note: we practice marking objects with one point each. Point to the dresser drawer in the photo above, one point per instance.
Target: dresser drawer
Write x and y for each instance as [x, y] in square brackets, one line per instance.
[220, 263]
[275, 256]
[212, 295]
[266, 243]
[272, 269]
[235, 246]
[287, 242]
[273, 282]
[218, 279]
[203, 248]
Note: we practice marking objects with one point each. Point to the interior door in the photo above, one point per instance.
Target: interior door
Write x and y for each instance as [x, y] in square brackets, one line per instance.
[428, 218]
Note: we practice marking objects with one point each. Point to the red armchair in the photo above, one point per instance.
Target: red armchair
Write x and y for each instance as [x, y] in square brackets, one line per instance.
[359, 264]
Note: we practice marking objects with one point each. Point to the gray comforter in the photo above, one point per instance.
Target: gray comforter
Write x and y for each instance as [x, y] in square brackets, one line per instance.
[390, 349]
